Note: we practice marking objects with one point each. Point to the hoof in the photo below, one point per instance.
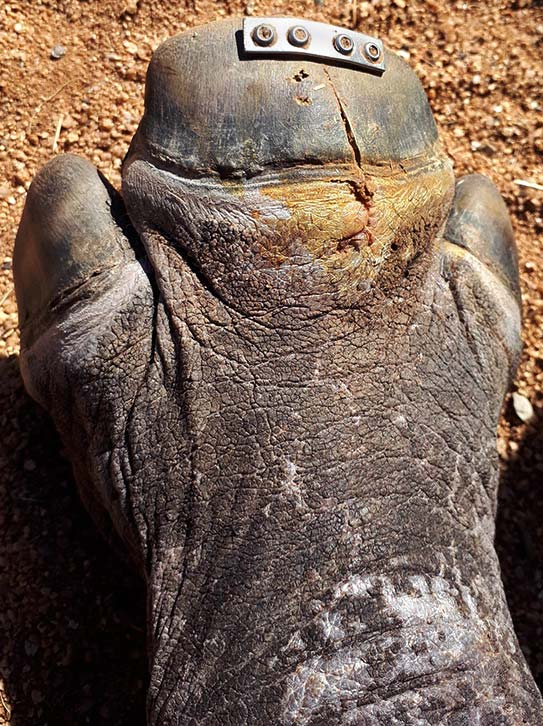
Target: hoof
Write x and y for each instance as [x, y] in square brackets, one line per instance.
[68, 233]
[210, 110]
[323, 167]
[479, 222]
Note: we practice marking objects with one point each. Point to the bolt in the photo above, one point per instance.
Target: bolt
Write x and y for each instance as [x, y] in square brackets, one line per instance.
[343, 44]
[298, 36]
[372, 52]
[264, 34]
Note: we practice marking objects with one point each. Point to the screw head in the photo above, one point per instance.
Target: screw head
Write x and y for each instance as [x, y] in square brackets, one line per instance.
[264, 34]
[298, 36]
[372, 52]
[344, 44]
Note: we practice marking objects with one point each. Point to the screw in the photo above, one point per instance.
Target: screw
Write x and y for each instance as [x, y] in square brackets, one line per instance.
[343, 44]
[264, 34]
[372, 52]
[298, 36]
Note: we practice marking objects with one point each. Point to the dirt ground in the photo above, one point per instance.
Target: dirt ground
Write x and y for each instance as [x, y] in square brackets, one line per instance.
[71, 614]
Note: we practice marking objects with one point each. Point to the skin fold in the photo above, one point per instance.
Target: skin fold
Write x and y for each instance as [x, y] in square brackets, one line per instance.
[277, 364]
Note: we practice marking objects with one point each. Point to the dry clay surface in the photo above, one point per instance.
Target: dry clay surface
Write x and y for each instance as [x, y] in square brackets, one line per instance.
[71, 613]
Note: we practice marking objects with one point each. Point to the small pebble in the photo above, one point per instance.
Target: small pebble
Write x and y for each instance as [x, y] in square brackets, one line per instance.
[131, 47]
[523, 408]
[131, 7]
[68, 122]
[58, 51]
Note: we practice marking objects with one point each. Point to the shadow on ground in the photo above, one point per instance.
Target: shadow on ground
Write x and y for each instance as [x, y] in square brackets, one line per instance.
[519, 541]
[72, 614]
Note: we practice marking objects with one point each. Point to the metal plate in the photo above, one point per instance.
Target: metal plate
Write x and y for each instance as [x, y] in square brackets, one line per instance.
[296, 36]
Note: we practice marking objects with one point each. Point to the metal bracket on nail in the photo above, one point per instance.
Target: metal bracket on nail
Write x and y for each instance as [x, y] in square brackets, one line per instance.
[294, 36]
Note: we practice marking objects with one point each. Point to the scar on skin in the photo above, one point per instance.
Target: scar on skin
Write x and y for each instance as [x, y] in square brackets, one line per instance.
[438, 627]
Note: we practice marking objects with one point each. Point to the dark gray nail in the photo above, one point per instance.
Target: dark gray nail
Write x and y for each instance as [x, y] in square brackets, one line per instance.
[70, 230]
[479, 222]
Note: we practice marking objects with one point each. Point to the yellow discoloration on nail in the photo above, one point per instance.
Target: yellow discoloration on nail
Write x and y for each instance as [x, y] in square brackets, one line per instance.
[410, 208]
[356, 225]
[322, 216]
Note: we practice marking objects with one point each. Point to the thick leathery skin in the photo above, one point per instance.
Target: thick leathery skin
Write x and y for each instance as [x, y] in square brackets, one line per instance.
[287, 407]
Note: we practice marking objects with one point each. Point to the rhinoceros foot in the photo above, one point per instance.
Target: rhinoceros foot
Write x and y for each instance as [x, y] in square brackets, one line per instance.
[277, 364]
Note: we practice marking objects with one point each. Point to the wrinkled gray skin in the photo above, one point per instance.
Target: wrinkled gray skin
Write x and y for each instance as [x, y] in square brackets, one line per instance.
[286, 416]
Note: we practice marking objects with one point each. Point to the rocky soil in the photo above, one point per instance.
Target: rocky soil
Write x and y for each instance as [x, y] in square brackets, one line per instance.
[71, 79]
